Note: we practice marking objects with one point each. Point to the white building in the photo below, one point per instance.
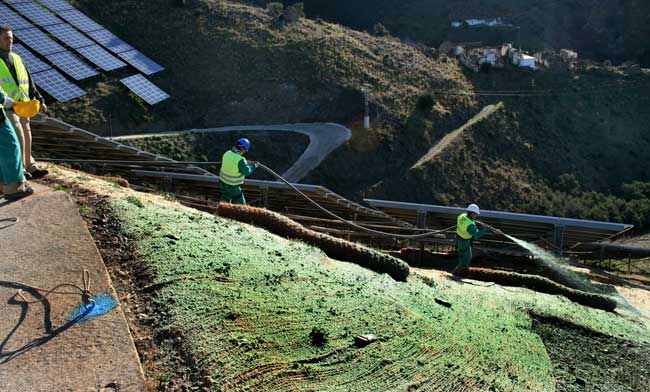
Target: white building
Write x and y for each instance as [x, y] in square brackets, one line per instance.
[524, 60]
[489, 57]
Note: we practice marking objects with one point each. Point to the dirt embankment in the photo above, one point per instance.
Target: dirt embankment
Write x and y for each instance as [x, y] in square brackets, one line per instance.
[585, 360]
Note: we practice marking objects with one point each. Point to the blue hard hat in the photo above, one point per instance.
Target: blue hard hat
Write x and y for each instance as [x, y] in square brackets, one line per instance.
[245, 143]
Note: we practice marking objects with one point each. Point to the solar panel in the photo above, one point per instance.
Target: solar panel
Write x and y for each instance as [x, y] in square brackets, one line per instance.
[33, 63]
[57, 85]
[37, 40]
[56, 5]
[100, 57]
[8, 17]
[37, 14]
[73, 66]
[141, 62]
[145, 89]
[110, 41]
[17, 1]
[79, 20]
[69, 36]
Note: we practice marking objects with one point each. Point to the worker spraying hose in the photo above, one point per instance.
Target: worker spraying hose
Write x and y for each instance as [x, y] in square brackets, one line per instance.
[234, 169]
[466, 232]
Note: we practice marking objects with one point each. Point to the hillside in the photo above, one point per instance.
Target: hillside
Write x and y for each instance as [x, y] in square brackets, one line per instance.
[602, 30]
[219, 305]
[564, 150]
[229, 64]
[581, 152]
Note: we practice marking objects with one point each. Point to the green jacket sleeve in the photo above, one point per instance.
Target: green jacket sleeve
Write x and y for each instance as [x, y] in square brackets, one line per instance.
[245, 168]
[476, 233]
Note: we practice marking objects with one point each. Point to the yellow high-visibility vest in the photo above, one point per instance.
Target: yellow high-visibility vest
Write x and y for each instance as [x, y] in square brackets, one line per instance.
[229, 173]
[462, 224]
[16, 90]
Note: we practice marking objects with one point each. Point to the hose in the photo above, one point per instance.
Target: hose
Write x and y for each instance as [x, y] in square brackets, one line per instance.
[333, 215]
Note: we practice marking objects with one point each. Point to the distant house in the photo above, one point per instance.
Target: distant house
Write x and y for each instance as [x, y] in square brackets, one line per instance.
[489, 57]
[523, 60]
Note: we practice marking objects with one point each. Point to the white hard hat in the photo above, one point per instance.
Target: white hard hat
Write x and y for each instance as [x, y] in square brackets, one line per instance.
[473, 208]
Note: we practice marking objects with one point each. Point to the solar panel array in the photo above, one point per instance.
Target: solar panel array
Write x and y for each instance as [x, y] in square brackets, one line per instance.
[69, 36]
[47, 14]
[12, 19]
[145, 89]
[37, 14]
[56, 5]
[110, 41]
[33, 63]
[141, 62]
[71, 65]
[80, 21]
[57, 85]
[100, 57]
[39, 41]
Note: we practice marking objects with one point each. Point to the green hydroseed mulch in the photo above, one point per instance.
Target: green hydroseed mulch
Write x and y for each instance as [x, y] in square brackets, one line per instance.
[251, 309]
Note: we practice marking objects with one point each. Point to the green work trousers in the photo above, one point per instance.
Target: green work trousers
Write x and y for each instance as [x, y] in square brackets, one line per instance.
[11, 167]
[232, 194]
[464, 253]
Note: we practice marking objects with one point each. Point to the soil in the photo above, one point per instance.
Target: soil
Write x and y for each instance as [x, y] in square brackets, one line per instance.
[585, 360]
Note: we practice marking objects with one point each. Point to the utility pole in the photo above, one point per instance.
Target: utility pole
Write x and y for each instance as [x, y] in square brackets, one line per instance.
[366, 110]
[110, 124]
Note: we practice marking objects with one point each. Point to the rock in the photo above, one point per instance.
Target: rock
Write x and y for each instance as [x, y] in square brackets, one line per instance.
[364, 340]
[208, 381]
[443, 303]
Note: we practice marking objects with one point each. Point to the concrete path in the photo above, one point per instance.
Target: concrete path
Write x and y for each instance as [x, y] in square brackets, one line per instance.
[323, 139]
[40, 350]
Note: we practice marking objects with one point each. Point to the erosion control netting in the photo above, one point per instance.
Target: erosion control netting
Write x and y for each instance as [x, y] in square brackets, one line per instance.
[543, 285]
[245, 305]
[334, 247]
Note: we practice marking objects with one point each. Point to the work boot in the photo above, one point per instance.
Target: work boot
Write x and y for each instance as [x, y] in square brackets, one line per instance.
[460, 272]
[20, 194]
[39, 173]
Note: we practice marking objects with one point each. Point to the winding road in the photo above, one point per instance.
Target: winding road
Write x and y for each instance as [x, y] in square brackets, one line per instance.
[323, 139]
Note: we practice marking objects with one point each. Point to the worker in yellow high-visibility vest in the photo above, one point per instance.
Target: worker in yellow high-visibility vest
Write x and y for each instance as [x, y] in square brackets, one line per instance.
[466, 231]
[17, 83]
[234, 169]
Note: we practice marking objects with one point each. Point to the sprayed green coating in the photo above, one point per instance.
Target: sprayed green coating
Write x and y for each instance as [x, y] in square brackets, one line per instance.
[245, 302]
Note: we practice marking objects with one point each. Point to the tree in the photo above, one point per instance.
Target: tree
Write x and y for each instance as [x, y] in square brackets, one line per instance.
[294, 12]
[425, 102]
[380, 30]
[275, 9]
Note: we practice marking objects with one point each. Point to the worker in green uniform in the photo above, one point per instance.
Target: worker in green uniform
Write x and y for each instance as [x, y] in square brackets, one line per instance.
[466, 231]
[234, 169]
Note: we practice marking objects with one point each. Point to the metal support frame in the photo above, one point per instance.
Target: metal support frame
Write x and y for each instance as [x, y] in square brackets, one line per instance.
[264, 193]
[421, 222]
[558, 240]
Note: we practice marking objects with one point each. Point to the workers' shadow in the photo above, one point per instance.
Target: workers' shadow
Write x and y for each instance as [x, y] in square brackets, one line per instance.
[7, 356]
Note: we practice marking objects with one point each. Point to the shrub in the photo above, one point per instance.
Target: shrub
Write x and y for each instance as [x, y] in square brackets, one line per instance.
[275, 9]
[380, 30]
[294, 12]
[425, 102]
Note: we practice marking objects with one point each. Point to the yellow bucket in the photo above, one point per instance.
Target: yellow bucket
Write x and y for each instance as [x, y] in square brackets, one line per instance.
[27, 109]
